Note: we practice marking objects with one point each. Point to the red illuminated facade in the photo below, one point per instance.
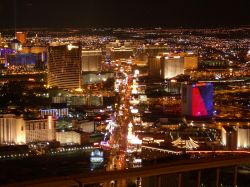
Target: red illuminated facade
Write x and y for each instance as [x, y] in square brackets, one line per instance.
[197, 100]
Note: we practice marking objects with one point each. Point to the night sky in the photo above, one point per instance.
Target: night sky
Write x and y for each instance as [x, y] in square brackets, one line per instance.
[124, 13]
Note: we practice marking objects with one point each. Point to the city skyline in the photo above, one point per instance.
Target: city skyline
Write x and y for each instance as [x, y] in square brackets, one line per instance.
[105, 93]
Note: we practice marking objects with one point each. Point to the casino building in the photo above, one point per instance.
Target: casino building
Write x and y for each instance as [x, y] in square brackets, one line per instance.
[197, 100]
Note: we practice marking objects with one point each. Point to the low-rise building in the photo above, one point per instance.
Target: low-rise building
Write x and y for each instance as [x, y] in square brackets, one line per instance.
[72, 137]
[68, 137]
[17, 130]
[235, 137]
[40, 130]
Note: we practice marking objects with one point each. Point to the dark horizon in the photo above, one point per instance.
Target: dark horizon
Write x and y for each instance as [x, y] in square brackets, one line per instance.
[111, 13]
[120, 27]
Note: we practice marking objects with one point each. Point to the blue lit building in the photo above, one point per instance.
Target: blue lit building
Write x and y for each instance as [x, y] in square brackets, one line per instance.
[23, 59]
[197, 100]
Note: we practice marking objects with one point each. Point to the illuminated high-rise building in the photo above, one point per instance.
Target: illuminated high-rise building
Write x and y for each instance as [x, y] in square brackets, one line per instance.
[243, 137]
[190, 58]
[154, 66]
[21, 37]
[91, 60]
[64, 66]
[197, 100]
[172, 66]
[165, 66]
[235, 137]
[12, 129]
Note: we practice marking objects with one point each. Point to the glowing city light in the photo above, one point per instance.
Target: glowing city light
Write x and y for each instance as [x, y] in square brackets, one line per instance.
[70, 47]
